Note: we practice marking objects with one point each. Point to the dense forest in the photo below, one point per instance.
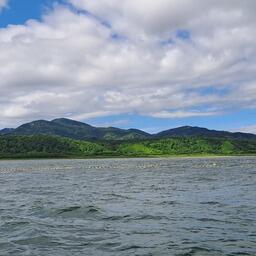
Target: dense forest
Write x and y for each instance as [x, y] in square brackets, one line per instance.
[41, 146]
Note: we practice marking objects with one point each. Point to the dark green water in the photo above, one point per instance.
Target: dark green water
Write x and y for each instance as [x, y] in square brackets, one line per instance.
[128, 207]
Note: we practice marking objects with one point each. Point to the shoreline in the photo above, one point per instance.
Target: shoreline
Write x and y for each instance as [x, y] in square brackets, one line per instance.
[125, 157]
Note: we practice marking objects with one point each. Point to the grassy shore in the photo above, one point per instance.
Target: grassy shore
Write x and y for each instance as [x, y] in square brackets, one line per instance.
[124, 157]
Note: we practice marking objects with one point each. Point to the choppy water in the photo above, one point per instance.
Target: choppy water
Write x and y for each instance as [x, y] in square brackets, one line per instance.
[128, 207]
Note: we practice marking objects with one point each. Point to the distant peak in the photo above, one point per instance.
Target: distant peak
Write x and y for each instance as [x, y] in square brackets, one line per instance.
[62, 120]
[67, 121]
[186, 127]
[6, 131]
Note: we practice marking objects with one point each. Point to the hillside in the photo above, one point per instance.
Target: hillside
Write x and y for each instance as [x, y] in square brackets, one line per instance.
[41, 146]
[6, 131]
[189, 131]
[75, 130]
[81, 131]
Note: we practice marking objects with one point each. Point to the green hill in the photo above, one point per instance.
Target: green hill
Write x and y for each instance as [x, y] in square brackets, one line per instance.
[75, 130]
[189, 131]
[42, 146]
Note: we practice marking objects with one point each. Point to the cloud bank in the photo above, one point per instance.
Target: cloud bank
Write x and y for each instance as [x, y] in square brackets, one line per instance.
[247, 129]
[165, 59]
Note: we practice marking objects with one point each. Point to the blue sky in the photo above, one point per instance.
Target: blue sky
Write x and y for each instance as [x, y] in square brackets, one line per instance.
[18, 13]
[120, 64]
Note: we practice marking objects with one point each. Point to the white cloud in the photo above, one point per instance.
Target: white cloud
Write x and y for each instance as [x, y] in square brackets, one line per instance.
[247, 129]
[149, 17]
[182, 114]
[117, 123]
[73, 64]
[3, 3]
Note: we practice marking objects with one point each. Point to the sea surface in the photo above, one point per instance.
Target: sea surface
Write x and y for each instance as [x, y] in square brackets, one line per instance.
[175, 206]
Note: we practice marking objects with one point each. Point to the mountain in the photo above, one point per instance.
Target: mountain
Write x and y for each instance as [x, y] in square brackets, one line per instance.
[61, 127]
[76, 130]
[81, 131]
[6, 131]
[189, 131]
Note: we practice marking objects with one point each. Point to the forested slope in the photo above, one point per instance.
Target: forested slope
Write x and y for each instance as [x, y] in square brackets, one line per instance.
[13, 146]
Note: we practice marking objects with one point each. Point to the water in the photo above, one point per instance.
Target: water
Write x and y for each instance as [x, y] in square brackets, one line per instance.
[128, 207]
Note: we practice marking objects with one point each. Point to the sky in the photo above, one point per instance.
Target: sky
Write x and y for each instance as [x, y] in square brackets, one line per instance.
[145, 64]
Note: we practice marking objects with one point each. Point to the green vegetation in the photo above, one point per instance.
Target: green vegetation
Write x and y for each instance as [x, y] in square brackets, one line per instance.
[44, 146]
[188, 146]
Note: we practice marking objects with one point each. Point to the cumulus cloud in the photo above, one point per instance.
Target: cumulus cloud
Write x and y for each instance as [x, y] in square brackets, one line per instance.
[108, 57]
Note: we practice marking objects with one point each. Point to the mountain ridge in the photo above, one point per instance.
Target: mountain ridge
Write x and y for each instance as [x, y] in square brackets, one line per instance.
[82, 131]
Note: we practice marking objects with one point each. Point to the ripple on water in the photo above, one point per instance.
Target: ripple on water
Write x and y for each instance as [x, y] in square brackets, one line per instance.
[112, 207]
[78, 212]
